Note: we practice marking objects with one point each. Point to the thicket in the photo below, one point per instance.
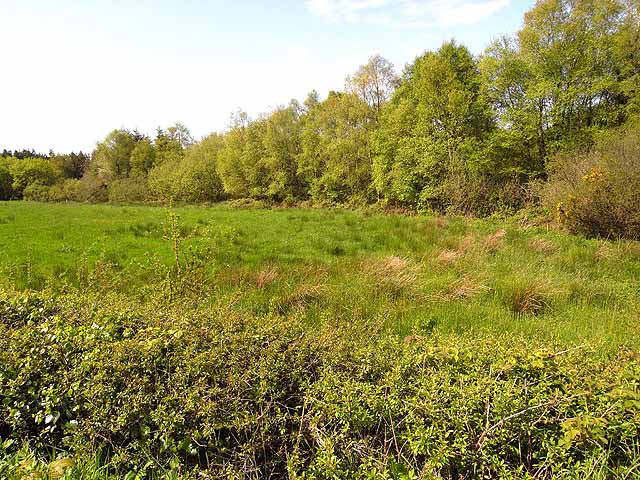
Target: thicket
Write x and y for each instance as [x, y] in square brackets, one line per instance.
[598, 193]
[245, 396]
[454, 132]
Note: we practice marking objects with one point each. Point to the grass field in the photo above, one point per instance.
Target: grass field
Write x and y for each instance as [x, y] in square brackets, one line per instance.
[452, 274]
[333, 307]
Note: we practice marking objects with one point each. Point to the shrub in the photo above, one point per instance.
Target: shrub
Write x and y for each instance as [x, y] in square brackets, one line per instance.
[256, 397]
[163, 181]
[36, 192]
[68, 191]
[6, 180]
[597, 193]
[484, 194]
[92, 189]
[128, 190]
[31, 171]
[193, 178]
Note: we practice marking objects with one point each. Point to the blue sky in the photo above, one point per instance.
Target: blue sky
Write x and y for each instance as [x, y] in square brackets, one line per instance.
[74, 70]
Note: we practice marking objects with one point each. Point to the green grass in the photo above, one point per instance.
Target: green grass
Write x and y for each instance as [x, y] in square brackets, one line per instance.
[145, 342]
[412, 274]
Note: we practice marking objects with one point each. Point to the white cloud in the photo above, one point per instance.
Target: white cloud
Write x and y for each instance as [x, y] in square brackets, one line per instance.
[443, 13]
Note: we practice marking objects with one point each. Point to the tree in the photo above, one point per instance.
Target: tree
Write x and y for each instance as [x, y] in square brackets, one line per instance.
[240, 162]
[336, 156]
[312, 101]
[181, 134]
[627, 56]
[519, 144]
[112, 156]
[32, 171]
[6, 180]
[433, 127]
[374, 82]
[143, 157]
[168, 147]
[71, 165]
[194, 178]
[198, 174]
[281, 149]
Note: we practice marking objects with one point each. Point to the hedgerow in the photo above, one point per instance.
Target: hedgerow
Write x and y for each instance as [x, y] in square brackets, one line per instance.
[154, 386]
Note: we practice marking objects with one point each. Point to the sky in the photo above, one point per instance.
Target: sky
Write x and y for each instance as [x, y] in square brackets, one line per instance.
[73, 70]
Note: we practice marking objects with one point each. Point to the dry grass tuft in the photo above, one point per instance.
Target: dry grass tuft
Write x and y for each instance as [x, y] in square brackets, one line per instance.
[605, 252]
[234, 276]
[448, 257]
[462, 289]
[495, 242]
[266, 277]
[388, 266]
[440, 222]
[541, 245]
[306, 295]
[528, 301]
[531, 298]
[632, 250]
[302, 297]
[394, 263]
[394, 276]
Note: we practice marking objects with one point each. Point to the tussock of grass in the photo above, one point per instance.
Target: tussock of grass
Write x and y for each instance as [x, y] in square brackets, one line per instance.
[540, 245]
[266, 276]
[393, 276]
[462, 289]
[605, 252]
[448, 257]
[496, 241]
[529, 296]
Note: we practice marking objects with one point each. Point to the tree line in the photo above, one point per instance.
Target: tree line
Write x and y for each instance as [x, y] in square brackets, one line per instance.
[452, 132]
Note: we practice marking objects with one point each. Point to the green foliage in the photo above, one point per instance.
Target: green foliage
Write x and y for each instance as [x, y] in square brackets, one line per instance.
[336, 153]
[36, 192]
[70, 190]
[198, 173]
[71, 165]
[6, 182]
[567, 74]
[170, 145]
[143, 157]
[112, 157]
[282, 145]
[374, 82]
[240, 395]
[242, 172]
[596, 193]
[194, 178]
[433, 127]
[128, 190]
[32, 171]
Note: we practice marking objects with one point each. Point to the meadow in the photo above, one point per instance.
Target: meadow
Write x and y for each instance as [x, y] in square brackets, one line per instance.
[309, 343]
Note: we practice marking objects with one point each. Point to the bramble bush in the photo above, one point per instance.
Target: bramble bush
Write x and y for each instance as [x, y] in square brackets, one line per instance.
[155, 385]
